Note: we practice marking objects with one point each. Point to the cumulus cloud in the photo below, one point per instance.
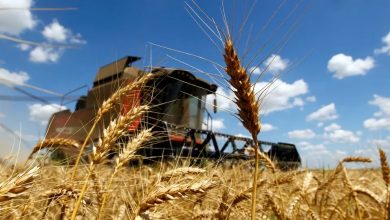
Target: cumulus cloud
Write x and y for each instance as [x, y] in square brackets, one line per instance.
[342, 136]
[55, 32]
[302, 134]
[382, 143]
[254, 70]
[335, 133]
[332, 127]
[15, 22]
[282, 95]
[386, 47]
[381, 119]
[13, 78]
[267, 127]
[24, 47]
[383, 103]
[42, 112]
[45, 55]
[343, 66]
[325, 113]
[217, 124]
[376, 124]
[275, 63]
[311, 99]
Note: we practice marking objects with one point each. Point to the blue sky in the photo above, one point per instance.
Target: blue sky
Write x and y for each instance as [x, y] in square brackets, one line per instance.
[331, 100]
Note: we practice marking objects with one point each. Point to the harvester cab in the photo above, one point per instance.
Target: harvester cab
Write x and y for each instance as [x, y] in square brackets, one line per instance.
[177, 99]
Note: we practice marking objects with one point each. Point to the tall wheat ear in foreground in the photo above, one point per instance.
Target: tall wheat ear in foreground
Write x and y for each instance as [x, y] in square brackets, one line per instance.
[248, 109]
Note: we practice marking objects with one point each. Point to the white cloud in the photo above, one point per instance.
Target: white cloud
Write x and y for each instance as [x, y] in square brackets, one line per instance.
[24, 47]
[344, 66]
[381, 119]
[13, 78]
[302, 134]
[382, 102]
[275, 63]
[306, 146]
[2, 115]
[15, 22]
[342, 136]
[325, 113]
[382, 143]
[282, 95]
[77, 39]
[332, 127]
[376, 124]
[335, 133]
[298, 102]
[311, 99]
[386, 47]
[254, 70]
[217, 124]
[267, 127]
[45, 54]
[55, 32]
[42, 112]
[224, 100]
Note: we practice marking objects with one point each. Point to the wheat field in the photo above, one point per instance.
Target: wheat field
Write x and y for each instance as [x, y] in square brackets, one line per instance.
[175, 190]
[182, 188]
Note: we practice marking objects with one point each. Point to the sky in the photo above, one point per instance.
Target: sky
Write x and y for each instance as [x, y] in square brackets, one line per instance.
[328, 60]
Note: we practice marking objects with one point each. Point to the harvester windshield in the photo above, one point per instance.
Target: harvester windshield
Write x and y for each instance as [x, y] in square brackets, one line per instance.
[180, 99]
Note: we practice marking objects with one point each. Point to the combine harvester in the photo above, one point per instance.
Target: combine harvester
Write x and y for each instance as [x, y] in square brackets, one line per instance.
[178, 109]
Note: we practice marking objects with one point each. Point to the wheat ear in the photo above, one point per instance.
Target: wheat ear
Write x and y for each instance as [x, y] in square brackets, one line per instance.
[386, 178]
[17, 185]
[124, 156]
[116, 129]
[356, 160]
[107, 106]
[181, 172]
[248, 106]
[53, 143]
[172, 192]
